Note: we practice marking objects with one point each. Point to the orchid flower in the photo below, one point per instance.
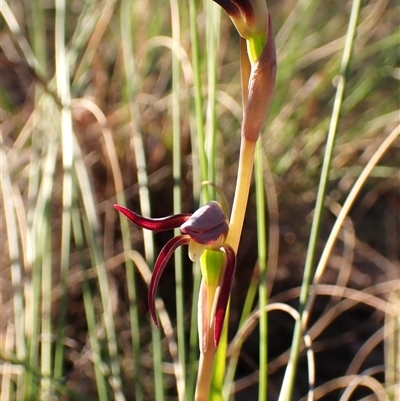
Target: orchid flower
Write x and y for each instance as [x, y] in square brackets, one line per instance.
[205, 229]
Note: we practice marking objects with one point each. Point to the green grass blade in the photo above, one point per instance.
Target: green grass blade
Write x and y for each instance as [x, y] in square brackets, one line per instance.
[39, 36]
[14, 253]
[124, 224]
[98, 21]
[15, 28]
[92, 233]
[59, 387]
[138, 146]
[43, 237]
[201, 168]
[262, 262]
[213, 18]
[198, 98]
[246, 311]
[288, 382]
[63, 90]
[177, 192]
[101, 382]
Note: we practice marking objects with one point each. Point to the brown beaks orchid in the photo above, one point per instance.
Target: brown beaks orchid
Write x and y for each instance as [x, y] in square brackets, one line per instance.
[207, 228]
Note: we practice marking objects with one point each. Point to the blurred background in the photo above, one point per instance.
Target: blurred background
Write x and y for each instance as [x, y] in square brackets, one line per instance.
[87, 97]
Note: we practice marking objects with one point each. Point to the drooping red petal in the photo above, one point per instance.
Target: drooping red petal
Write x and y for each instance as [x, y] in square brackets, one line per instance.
[226, 287]
[160, 224]
[159, 267]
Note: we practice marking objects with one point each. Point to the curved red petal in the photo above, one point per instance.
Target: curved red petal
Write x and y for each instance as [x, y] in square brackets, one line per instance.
[246, 10]
[226, 287]
[159, 267]
[229, 6]
[160, 224]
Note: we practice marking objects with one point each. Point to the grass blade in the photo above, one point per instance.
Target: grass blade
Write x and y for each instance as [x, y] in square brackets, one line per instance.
[288, 381]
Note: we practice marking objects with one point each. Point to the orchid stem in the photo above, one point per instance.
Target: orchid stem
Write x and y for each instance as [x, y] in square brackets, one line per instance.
[206, 363]
[246, 160]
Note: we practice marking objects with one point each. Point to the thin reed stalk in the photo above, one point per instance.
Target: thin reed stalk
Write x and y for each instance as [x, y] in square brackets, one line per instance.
[101, 382]
[262, 262]
[288, 381]
[63, 91]
[138, 148]
[177, 176]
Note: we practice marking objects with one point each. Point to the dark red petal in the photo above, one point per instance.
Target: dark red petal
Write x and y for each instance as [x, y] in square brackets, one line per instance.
[246, 10]
[159, 267]
[226, 287]
[161, 224]
[238, 8]
[229, 7]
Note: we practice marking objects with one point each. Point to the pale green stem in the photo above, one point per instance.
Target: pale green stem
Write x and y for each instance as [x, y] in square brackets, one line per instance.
[262, 261]
[63, 91]
[43, 239]
[206, 363]
[212, 36]
[14, 253]
[39, 36]
[139, 150]
[99, 24]
[246, 159]
[177, 192]
[198, 138]
[288, 381]
[92, 231]
[32, 268]
[12, 23]
[194, 337]
[198, 97]
[46, 302]
[130, 270]
[247, 308]
[241, 196]
[101, 383]
[213, 16]
[130, 273]
[85, 25]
